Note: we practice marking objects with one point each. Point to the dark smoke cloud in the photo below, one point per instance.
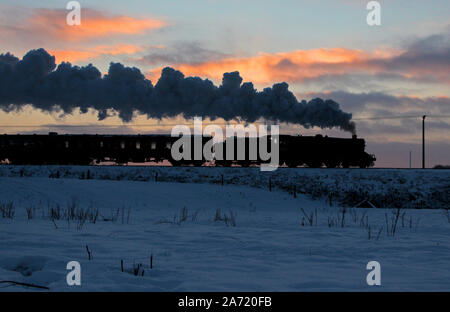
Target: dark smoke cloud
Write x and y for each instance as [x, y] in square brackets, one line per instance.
[37, 81]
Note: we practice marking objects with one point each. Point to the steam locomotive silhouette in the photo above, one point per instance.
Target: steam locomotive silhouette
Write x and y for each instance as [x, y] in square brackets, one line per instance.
[312, 151]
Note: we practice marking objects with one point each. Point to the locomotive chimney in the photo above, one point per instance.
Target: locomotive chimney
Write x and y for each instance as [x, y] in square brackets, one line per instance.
[354, 136]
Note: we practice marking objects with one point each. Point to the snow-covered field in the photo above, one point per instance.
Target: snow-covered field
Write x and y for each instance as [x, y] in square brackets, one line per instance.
[209, 237]
[384, 188]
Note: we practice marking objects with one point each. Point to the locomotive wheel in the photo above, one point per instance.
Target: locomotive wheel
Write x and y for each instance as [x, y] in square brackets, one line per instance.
[292, 164]
[331, 164]
[224, 163]
[175, 163]
[314, 164]
[198, 163]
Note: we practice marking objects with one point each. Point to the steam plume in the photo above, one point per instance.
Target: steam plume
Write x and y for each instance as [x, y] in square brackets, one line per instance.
[36, 80]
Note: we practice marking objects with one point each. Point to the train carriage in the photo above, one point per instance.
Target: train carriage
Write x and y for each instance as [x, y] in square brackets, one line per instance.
[311, 151]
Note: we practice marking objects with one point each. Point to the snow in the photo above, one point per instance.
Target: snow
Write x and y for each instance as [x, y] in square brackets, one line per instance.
[384, 188]
[272, 247]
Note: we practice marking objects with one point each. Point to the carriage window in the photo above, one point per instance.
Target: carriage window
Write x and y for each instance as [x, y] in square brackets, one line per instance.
[101, 144]
[138, 145]
[122, 145]
[66, 144]
[153, 146]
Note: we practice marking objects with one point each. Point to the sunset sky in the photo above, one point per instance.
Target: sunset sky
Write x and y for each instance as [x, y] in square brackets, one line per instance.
[320, 48]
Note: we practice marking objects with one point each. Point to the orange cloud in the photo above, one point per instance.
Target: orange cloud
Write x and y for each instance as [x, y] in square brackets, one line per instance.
[297, 66]
[74, 56]
[287, 66]
[94, 24]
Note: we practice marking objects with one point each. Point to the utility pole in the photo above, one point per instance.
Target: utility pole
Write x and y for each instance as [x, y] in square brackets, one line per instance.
[423, 141]
[410, 159]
